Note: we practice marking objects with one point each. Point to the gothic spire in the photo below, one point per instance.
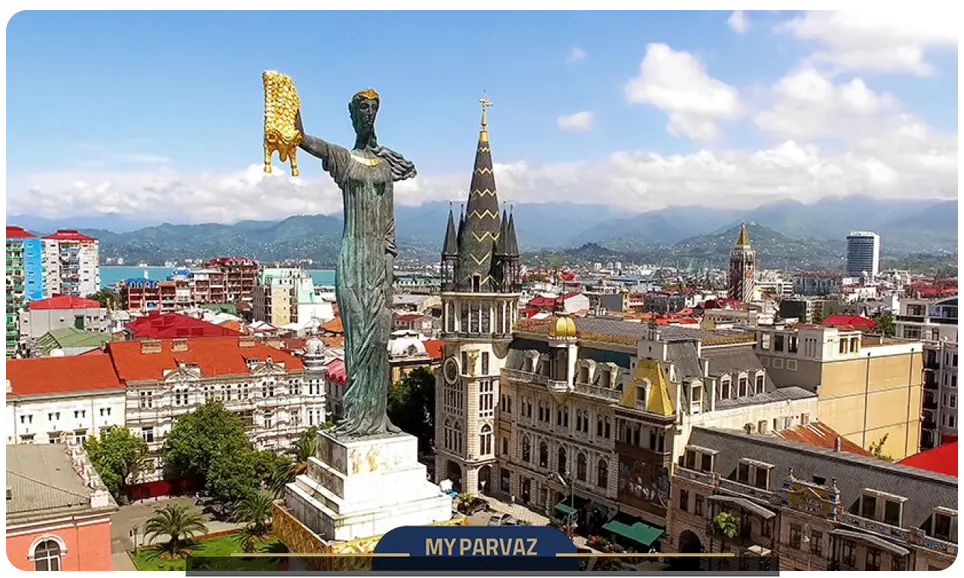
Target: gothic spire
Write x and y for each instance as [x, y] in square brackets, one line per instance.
[483, 227]
[743, 239]
[511, 244]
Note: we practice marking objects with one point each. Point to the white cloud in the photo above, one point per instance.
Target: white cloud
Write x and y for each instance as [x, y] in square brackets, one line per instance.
[677, 83]
[577, 122]
[876, 40]
[914, 161]
[739, 22]
[576, 55]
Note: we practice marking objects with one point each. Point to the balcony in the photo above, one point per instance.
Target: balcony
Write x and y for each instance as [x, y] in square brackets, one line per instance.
[596, 391]
[526, 376]
[932, 363]
[930, 403]
[930, 383]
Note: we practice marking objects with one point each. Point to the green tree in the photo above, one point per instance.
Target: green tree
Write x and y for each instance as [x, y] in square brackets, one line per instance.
[106, 298]
[266, 463]
[885, 324]
[233, 476]
[118, 455]
[411, 405]
[877, 449]
[286, 471]
[179, 522]
[199, 436]
[254, 511]
[727, 526]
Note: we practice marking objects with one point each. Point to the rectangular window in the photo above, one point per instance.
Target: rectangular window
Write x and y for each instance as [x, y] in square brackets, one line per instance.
[698, 505]
[743, 474]
[942, 526]
[485, 363]
[147, 434]
[707, 465]
[868, 507]
[816, 543]
[743, 386]
[684, 500]
[762, 478]
[796, 533]
[760, 387]
[892, 513]
[873, 560]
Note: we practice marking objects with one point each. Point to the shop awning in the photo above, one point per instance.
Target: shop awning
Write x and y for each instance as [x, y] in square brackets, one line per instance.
[633, 529]
[565, 507]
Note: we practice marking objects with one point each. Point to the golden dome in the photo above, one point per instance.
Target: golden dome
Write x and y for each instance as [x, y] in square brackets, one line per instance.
[561, 326]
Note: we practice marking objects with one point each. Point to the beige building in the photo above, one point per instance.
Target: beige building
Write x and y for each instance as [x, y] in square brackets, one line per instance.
[593, 412]
[869, 387]
[816, 508]
[273, 303]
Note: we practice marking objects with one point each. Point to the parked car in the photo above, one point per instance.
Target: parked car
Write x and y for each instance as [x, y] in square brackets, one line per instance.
[503, 520]
[476, 507]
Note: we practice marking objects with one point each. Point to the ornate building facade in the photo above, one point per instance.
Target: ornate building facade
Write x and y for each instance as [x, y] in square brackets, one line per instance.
[742, 268]
[480, 294]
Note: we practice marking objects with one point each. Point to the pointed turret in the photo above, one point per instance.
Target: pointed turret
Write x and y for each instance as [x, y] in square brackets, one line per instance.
[511, 244]
[450, 248]
[743, 239]
[482, 224]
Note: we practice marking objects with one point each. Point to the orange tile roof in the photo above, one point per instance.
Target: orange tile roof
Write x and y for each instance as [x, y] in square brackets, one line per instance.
[334, 326]
[234, 325]
[213, 355]
[407, 316]
[61, 374]
[820, 435]
[434, 347]
[333, 341]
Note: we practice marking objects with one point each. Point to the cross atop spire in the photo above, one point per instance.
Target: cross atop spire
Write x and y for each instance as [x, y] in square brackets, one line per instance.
[486, 103]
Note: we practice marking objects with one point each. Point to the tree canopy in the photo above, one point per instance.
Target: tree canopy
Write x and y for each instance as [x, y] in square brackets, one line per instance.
[118, 455]
[198, 437]
[411, 405]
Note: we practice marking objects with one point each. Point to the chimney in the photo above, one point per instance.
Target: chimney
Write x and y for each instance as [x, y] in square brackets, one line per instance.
[246, 341]
[179, 344]
[150, 346]
[836, 444]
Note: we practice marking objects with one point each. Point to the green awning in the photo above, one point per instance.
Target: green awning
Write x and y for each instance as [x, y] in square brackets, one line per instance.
[634, 529]
[565, 508]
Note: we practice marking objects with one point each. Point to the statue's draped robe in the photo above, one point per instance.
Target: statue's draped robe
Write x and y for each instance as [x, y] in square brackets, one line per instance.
[363, 285]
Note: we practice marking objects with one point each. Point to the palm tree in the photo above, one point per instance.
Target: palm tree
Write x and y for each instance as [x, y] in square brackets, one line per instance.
[181, 523]
[254, 511]
[286, 472]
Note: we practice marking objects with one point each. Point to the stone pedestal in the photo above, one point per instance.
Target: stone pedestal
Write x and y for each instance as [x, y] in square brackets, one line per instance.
[363, 487]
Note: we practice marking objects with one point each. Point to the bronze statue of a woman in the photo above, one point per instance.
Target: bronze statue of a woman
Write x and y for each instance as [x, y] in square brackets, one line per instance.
[363, 282]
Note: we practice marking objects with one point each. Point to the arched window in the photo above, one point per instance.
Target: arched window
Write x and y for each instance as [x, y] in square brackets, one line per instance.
[543, 454]
[447, 429]
[485, 440]
[46, 556]
[562, 463]
[602, 474]
[526, 449]
[581, 467]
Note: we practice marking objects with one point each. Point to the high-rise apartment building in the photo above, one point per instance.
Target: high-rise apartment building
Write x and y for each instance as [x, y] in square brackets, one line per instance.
[238, 277]
[863, 253]
[742, 268]
[71, 262]
[24, 279]
[287, 295]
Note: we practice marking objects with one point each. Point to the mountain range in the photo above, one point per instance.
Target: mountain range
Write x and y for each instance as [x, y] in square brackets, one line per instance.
[784, 231]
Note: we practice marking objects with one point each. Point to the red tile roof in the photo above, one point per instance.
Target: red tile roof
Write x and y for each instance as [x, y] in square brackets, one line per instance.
[63, 302]
[170, 325]
[820, 435]
[334, 326]
[18, 233]
[434, 347]
[942, 460]
[409, 316]
[851, 320]
[54, 375]
[213, 355]
[336, 371]
[69, 235]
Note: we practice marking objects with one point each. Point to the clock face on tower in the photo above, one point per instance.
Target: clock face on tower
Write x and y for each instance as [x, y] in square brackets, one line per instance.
[451, 370]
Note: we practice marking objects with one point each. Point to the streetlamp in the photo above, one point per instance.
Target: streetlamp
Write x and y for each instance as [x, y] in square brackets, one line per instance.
[566, 481]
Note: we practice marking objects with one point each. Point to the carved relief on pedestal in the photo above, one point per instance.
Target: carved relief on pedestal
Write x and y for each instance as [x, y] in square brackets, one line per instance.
[355, 458]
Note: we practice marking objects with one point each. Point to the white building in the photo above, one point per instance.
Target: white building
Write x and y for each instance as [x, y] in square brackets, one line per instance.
[267, 387]
[50, 396]
[71, 263]
[934, 321]
[863, 253]
[283, 296]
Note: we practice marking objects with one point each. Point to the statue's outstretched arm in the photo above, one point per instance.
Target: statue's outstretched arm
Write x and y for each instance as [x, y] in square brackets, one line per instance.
[314, 146]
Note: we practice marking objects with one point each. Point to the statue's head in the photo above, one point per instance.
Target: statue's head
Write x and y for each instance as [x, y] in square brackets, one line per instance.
[363, 109]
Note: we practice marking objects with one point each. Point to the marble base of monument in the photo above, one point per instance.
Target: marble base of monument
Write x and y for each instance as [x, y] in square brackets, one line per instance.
[357, 488]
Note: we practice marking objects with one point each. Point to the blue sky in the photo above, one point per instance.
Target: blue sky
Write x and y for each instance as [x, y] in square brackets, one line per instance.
[102, 94]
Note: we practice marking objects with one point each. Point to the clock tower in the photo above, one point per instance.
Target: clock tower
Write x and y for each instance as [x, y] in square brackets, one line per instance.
[480, 304]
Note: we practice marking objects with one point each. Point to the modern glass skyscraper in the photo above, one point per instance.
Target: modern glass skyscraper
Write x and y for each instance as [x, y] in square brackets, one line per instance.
[863, 253]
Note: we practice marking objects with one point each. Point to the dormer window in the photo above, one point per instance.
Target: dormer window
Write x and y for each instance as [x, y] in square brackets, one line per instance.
[944, 524]
[754, 473]
[699, 458]
[726, 388]
[696, 396]
[883, 507]
[744, 382]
